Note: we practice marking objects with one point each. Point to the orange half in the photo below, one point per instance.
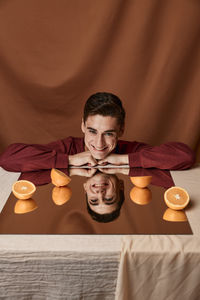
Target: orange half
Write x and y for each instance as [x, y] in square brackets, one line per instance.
[141, 181]
[59, 178]
[176, 198]
[23, 189]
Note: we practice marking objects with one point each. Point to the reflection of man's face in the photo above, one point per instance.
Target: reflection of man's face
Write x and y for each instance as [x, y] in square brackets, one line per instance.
[101, 135]
[102, 193]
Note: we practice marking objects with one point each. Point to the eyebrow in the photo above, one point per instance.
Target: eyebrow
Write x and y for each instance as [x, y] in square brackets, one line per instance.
[110, 130]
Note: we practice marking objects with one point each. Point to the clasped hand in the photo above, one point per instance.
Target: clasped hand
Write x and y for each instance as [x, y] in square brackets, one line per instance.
[85, 158]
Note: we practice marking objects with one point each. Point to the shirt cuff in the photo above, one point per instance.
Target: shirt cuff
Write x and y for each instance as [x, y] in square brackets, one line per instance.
[134, 160]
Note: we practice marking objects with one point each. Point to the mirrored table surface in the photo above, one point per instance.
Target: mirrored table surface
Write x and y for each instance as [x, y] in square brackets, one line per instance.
[105, 203]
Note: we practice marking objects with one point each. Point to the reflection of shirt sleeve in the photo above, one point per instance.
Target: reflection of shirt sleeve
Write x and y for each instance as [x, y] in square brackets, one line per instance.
[24, 158]
[40, 177]
[170, 156]
[159, 177]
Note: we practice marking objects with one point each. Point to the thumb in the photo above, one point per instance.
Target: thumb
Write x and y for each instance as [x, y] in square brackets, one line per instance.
[102, 162]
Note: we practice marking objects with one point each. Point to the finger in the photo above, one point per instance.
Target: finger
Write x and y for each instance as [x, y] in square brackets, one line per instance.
[93, 163]
[106, 170]
[79, 172]
[91, 172]
[110, 170]
[101, 162]
[82, 172]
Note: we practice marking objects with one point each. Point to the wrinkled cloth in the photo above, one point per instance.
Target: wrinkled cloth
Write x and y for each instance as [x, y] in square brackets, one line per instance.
[164, 267]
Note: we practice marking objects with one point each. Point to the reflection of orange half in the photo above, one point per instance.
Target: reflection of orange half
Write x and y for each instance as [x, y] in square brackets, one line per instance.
[61, 195]
[141, 181]
[25, 206]
[174, 215]
[59, 178]
[141, 196]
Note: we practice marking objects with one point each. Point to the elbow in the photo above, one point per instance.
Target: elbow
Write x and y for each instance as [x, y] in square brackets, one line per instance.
[6, 165]
[188, 161]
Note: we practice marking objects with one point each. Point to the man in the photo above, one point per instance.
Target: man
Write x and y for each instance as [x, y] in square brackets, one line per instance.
[102, 124]
[104, 196]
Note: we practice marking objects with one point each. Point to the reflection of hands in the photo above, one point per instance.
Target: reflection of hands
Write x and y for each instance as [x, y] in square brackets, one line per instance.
[115, 159]
[82, 159]
[124, 171]
[82, 172]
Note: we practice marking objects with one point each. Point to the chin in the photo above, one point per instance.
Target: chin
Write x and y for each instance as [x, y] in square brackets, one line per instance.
[99, 156]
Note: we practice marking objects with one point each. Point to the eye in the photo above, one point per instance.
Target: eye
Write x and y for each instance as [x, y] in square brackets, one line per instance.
[108, 199]
[109, 134]
[93, 200]
[92, 131]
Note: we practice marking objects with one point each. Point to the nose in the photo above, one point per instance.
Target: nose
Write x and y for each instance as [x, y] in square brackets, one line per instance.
[99, 189]
[100, 142]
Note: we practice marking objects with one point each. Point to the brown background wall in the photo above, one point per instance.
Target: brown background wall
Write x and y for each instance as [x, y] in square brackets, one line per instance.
[54, 54]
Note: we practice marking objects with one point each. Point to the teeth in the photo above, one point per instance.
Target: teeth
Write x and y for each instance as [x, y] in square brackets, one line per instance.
[99, 185]
[99, 149]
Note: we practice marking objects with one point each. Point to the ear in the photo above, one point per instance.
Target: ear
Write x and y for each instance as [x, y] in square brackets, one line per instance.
[82, 126]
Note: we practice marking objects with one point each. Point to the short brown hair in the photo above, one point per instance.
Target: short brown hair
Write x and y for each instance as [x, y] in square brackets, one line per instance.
[106, 218]
[105, 104]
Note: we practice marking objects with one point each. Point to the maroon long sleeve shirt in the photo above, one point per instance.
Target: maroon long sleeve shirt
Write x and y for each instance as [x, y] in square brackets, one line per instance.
[33, 157]
[35, 161]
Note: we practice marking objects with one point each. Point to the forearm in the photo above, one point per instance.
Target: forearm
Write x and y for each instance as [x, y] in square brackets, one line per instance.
[169, 156]
[123, 159]
[25, 158]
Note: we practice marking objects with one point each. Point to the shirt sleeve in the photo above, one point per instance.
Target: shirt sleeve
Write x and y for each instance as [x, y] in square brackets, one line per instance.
[20, 157]
[169, 156]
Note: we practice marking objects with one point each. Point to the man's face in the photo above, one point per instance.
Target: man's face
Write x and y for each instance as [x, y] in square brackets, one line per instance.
[101, 135]
[102, 193]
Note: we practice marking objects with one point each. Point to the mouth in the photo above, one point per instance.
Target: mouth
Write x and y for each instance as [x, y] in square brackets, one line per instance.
[99, 149]
[103, 184]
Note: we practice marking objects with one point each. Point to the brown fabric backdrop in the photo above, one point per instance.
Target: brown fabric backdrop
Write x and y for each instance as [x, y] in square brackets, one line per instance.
[54, 54]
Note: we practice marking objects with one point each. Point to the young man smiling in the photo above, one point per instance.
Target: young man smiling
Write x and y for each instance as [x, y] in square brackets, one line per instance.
[102, 124]
[104, 196]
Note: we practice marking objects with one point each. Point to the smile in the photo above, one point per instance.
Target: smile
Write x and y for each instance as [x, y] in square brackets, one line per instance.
[100, 184]
[99, 150]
